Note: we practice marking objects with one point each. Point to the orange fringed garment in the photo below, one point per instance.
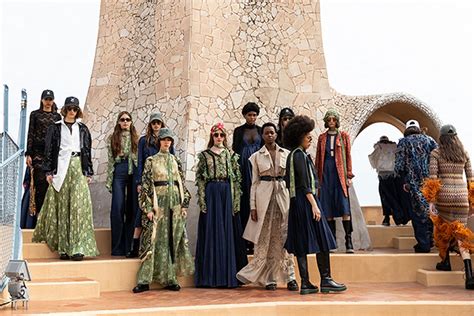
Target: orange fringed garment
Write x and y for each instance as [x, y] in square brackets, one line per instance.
[430, 189]
[470, 188]
[447, 234]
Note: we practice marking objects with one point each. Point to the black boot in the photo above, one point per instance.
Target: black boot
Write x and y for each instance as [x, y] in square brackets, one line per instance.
[444, 265]
[386, 220]
[324, 267]
[469, 276]
[348, 231]
[141, 288]
[134, 252]
[306, 286]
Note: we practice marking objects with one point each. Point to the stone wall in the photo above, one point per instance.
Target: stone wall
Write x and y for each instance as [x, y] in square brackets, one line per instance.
[199, 61]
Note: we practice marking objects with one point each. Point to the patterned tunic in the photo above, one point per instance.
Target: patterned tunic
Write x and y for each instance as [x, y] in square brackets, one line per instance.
[452, 201]
[412, 164]
[39, 123]
[126, 153]
[218, 166]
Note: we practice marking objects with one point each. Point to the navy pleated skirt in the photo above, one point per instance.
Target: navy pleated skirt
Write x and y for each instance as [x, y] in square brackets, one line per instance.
[220, 250]
[333, 200]
[305, 234]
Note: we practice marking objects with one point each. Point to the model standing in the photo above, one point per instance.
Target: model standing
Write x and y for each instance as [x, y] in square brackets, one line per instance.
[286, 114]
[165, 200]
[267, 229]
[220, 250]
[334, 165]
[122, 162]
[308, 230]
[65, 222]
[247, 140]
[40, 120]
[148, 145]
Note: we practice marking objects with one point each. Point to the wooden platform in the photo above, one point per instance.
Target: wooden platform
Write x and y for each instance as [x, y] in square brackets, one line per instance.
[360, 299]
[391, 277]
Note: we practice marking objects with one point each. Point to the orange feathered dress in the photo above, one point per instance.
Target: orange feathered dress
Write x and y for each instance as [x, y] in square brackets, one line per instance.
[454, 198]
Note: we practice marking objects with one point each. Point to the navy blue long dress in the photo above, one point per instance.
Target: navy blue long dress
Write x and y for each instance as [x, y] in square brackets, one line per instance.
[305, 234]
[248, 149]
[220, 249]
[333, 200]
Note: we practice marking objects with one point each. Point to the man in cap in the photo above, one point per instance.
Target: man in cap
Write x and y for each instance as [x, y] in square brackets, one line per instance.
[412, 162]
[40, 120]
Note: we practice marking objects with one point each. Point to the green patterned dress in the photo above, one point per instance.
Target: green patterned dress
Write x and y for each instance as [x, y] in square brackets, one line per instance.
[65, 222]
[164, 246]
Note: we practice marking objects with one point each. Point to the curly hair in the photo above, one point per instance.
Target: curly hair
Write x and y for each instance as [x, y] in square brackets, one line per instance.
[296, 129]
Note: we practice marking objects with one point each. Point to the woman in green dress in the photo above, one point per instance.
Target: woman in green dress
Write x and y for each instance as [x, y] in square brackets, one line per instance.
[165, 200]
[65, 222]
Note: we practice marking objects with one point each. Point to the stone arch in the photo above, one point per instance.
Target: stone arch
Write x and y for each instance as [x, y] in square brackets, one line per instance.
[392, 108]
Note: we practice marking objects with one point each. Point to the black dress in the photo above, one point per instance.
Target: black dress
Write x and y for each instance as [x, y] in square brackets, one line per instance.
[305, 234]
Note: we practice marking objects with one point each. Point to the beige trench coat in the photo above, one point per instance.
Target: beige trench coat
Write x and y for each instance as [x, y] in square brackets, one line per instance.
[262, 191]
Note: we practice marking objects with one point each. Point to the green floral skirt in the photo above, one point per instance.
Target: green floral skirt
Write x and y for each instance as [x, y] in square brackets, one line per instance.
[65, 222]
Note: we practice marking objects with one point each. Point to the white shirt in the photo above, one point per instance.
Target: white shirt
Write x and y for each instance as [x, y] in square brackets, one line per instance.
[70, 142]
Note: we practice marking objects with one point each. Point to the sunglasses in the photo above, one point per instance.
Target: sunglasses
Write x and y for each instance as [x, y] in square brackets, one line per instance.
[125, 119]
[332, 119]
[156, 123]
[286, 118]
[48, 99]
[218, 135]
[72, 108]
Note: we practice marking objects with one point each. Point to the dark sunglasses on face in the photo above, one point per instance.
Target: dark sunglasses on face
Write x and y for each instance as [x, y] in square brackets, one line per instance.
[125, 119]
[332, 119]
[156, 123]
[72, 108]
[219, 135]
[48, 99]
[286, 118]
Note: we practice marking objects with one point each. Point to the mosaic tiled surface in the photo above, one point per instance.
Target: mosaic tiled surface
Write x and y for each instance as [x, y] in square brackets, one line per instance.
[199, 61]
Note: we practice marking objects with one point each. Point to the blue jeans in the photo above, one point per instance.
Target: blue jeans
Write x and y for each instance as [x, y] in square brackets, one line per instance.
[422, 225]
[122, 213]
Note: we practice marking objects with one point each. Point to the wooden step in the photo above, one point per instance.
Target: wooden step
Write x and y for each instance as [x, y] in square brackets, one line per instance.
[382, 236]
[63, 289]
[440, 278]
[375, 266]
[41, 251]
[373, 214]
[404, 242]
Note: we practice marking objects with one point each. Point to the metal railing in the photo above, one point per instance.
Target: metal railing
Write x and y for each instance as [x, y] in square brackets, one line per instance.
[11, 170]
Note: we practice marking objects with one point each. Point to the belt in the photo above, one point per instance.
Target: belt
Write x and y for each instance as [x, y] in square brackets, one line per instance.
[164, 183]
[75, 154]
[270, 178]
[220, 180]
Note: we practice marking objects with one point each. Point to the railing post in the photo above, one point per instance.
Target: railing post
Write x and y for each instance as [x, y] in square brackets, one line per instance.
[21, 161]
